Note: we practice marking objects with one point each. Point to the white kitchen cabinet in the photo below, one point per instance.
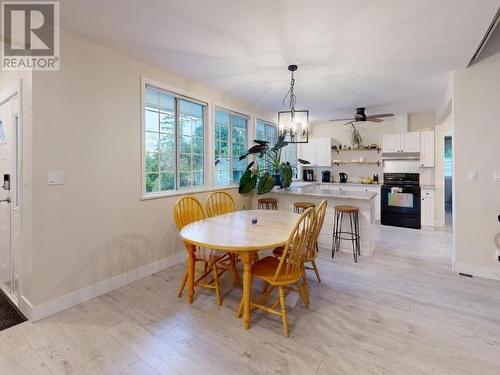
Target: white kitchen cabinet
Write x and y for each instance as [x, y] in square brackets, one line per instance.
[391, 142]
[401, 142]
[307, 152]
[323, 152]
[318, 151]
[427, 208]
[427, 149]
[410, 142]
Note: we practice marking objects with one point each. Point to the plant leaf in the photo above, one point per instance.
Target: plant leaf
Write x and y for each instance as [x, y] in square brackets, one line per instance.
[248, 181]
[250, 165]
[266, 183]
[286, 175]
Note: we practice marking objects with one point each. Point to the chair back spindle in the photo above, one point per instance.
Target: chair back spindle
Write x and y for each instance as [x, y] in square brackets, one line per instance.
[319, 218]
[291, 263]
[187, 210]
[219, 203]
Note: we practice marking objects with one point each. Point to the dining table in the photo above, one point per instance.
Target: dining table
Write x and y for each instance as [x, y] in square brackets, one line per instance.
[236, 233]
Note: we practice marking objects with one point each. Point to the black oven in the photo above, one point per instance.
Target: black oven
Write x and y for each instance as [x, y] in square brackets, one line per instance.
[400, 200]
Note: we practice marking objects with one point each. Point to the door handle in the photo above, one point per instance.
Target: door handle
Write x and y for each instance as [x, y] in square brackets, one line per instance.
[6, 200]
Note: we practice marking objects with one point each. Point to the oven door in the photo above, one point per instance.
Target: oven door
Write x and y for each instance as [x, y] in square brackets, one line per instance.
[400, 206]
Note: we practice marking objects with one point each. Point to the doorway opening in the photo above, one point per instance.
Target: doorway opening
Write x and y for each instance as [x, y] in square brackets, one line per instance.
[448, 181]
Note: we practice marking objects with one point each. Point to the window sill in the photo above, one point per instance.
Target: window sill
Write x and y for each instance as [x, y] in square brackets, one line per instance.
[177, 193]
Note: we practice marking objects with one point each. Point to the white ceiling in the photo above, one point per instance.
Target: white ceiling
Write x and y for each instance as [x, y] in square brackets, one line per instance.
[387, 55]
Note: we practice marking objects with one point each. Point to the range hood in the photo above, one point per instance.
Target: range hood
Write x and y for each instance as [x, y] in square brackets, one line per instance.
[400, 155]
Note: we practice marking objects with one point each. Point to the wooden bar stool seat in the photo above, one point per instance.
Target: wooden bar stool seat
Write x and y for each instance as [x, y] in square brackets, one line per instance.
[346, 209]
[267, 204]
[300, 207]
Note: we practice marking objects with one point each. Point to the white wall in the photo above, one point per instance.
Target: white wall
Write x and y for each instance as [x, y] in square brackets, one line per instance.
[88, 125]
[476, 98]
[421, 121]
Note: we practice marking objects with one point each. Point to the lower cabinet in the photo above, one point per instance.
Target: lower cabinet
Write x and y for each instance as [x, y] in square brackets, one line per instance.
[427, 208]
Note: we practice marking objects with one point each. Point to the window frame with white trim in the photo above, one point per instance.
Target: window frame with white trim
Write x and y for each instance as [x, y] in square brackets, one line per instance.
[187, 123]
[231, 140]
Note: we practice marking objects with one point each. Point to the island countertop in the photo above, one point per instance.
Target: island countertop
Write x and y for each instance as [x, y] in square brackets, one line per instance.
[318, 191]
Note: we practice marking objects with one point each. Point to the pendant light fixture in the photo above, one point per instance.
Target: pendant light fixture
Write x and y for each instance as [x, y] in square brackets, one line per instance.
[293, 124]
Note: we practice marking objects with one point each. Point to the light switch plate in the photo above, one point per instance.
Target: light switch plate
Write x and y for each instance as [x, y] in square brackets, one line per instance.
[472, 175]
[55, 178]
[496, 176]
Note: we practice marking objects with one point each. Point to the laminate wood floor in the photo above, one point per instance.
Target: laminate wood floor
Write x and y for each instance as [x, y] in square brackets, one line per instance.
[401, 311]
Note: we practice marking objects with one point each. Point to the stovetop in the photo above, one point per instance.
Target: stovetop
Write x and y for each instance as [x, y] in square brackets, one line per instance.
[400, 179]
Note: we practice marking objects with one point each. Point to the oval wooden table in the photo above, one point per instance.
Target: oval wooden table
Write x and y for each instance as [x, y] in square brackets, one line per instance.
[234, 232]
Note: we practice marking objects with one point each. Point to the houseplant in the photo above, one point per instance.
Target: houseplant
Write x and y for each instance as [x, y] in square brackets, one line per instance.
[272, 171]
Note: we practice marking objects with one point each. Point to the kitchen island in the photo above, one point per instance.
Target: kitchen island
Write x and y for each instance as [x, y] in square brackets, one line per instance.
[315, 193]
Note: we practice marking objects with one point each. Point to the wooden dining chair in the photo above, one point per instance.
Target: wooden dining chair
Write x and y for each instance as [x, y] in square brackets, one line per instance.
[284, 273]
[186, 211]
[311, 250]
[220, 203]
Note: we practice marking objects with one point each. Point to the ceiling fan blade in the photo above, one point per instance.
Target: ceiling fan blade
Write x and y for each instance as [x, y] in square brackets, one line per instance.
[381, 115]
[343, 119]
[374, 119]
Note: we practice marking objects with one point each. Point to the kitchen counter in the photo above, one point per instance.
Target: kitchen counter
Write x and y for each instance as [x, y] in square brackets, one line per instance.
[318, 191]
[364, 200]
[349, 184]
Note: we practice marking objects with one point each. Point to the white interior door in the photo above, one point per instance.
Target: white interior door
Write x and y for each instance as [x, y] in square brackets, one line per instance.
[10, 214]
[5, 134]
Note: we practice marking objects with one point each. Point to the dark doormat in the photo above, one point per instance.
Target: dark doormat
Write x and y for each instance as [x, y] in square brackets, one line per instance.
[9, 314]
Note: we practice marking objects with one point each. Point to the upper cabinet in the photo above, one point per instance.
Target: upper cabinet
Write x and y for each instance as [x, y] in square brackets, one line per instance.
[401, 142]
[318, 151]
[427, 149]
[391, 142]
[410, 142]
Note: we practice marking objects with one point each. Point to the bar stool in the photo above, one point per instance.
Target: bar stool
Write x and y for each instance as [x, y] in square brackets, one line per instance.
[352, 235]
[267, 204]
[299, 207]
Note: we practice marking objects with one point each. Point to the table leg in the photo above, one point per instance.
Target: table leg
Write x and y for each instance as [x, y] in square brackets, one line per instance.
[191, 268]
[246, 257]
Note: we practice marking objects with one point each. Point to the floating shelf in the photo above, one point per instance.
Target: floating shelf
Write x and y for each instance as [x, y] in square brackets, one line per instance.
[357, 162]
[378, 149]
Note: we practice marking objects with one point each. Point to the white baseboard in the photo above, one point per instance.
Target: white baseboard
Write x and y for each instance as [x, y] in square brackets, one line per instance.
[102, 287]
[478, 271]
[26, 307]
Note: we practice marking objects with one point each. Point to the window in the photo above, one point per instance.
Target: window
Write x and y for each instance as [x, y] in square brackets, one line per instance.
[268, 132]
[173, 141]
[230, 143]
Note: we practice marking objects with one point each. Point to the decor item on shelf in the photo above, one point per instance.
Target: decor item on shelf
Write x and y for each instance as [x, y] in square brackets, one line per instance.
[272, 171]
[356, 138]
[293, 124]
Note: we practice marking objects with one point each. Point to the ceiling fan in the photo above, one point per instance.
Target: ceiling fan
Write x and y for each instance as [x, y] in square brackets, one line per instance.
[361, 116]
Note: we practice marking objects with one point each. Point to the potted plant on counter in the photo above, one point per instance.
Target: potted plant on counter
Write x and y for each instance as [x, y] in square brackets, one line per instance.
[269, 171]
